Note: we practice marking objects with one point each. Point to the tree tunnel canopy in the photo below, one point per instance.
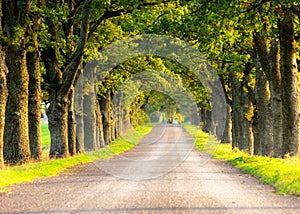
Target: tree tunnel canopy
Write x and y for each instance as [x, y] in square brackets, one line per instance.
[200, 71]
[237, 59]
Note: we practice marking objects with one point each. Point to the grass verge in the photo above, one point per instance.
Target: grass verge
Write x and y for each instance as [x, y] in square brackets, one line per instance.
[283, 174]
[48, 168]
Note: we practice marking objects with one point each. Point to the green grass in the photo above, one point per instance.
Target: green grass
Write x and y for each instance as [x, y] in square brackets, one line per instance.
[47, 168]
[283, 174]
[45, 134]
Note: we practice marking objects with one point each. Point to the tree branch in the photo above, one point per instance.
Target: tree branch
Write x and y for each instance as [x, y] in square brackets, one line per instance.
[296, 10]
[255, 6]
[107, 14]
[71, 70]
[110, 14]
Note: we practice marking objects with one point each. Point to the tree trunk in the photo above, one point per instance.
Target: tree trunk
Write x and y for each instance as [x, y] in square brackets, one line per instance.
[79, 115]
[16, 136]
[126, 121]
[3, 97]
[241, 111]
[100, 136]
[256, 136]
[118, 114]
[58, 125]
[262, 99]
[195, 116]
[89, 109]
[61, 80]
[34, 104]
[207, 121]
[112, 119]
[227, 128]
[35, 94]
[245, 133]
[235, 114]
[263, 113]
[119, 121]
[276, 104]
[289, 86]
[3, 92]
[268, 125]
[71, 124]
[106, 116]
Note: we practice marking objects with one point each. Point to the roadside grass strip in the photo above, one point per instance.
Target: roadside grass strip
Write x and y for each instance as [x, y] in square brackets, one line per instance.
[25, 173]
[283, 174]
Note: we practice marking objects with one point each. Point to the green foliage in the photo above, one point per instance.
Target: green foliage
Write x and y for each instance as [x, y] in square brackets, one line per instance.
[18, 36]
[283, 174]
[154, 81]
[179, 118]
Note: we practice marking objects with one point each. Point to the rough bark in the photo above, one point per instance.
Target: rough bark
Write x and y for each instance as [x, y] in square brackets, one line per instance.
[16, 137]
[3, 92]
[71, 124]
[72, 69]
[276, 104]
[34, 103]
[246, 141]
[3, 97]
[124, 121]
[207, 121]
[89, 111]
[263, 113]
[35, 93]
[226, 138]
[112, 119]
[241, 109]
[118, 123]
[78, 103]
[269, 62]
[118, 114]
[57, 114]
[126, 125]
[219, 115]
[105, 107]
[289, 86]
[256, 137]
[61, 82]
[235, 88]
[100, 136]
[264, 143]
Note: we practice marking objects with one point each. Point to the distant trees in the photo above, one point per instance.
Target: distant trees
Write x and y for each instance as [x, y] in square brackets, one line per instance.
[253, 46]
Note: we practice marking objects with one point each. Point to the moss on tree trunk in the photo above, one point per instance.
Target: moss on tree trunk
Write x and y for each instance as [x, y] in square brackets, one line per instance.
[3, 97]
[289, 86]
[16, 135]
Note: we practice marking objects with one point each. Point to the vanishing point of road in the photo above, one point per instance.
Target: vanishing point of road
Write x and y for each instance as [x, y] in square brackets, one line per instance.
[162, 174]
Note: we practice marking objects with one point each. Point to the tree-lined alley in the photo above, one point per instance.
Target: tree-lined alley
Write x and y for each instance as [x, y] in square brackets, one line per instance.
[45, 45]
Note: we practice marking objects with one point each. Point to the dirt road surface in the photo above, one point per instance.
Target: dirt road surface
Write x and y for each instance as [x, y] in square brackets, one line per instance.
[163, 174]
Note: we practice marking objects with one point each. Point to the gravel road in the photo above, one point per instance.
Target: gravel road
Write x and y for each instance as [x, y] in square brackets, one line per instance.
[163, 174]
